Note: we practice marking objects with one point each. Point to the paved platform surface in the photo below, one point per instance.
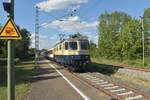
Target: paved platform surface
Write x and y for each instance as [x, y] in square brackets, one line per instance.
[48, 84]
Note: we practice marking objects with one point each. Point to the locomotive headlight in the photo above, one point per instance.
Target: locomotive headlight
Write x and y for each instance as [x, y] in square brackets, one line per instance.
[86, 56]
[72, 57]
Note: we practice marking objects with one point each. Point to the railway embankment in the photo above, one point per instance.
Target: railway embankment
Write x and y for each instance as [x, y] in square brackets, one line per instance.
[128, 70]
[139, 79]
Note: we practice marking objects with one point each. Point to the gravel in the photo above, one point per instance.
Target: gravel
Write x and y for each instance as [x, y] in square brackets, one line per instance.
[140, 74]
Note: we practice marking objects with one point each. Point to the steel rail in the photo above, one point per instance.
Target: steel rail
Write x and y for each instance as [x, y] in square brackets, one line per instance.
[122, 66]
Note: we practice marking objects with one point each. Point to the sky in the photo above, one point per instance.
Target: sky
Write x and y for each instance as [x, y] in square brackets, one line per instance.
[55, 16]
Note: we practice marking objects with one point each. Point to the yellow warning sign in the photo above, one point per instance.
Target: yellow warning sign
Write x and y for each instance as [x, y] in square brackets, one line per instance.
[10, 31]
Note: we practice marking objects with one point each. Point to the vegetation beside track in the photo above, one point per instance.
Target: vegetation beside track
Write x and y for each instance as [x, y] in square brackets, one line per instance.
[133, 63]
[120, 39]
[134, 80]
[23, 74]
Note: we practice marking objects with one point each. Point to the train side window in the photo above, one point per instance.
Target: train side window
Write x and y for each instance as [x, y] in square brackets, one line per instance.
[59, 47]
[66, 45]
[63, 46]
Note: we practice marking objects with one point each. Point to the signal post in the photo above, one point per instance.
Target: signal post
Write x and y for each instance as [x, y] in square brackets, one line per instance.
[10, 32]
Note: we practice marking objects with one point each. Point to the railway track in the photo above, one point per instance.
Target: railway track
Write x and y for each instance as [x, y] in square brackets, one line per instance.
[125, 67]
[114, 89]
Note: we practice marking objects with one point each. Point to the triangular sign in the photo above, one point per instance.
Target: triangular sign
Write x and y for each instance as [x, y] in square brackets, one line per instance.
[10, 31]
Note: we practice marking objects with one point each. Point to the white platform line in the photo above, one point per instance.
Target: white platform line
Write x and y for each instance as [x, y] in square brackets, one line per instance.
[126, 93]
[72, 85]
[132, 98]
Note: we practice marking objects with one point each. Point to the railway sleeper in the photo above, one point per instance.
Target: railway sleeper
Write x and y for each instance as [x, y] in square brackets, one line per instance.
[112, 87]
[115, 89]
[138, 97]
[106, 85]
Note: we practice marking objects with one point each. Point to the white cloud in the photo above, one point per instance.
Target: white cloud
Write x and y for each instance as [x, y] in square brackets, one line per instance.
[87, 32]
[45, 41]
[40, 36]
[93, 38]
[51, 5]
[48, 41]
[72, 24]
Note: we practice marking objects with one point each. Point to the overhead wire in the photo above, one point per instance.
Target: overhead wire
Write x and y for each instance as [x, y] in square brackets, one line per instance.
[72, 13]
[60, 18]
[94, 6]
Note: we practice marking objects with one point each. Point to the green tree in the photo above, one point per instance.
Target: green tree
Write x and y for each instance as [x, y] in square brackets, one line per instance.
[110, 26]
[22, 46]
[93, 49]
[130, 41]
[31, 52]
[3, 49]
[146, 18]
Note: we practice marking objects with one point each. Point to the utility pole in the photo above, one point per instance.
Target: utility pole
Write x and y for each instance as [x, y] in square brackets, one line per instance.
[10, 62]
[37, 34]
[143, 44]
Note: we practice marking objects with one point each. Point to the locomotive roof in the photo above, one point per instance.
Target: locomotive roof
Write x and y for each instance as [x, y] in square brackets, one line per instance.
[76, 39]
[72, 39]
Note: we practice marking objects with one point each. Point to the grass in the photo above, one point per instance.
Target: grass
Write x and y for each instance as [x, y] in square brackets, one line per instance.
[134, 80]
[135, 63]
[23, 75]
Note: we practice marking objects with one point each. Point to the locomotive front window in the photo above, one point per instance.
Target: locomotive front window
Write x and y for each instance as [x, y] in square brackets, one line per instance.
[73, 45]
[59, 47]
[84, 45]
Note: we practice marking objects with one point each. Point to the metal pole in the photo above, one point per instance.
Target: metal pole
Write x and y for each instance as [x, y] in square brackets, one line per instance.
[37, 34]
[143, 45]
[10, 63]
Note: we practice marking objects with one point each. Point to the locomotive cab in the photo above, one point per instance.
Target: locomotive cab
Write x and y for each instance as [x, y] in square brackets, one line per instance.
[78, 51]
[73, 52]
